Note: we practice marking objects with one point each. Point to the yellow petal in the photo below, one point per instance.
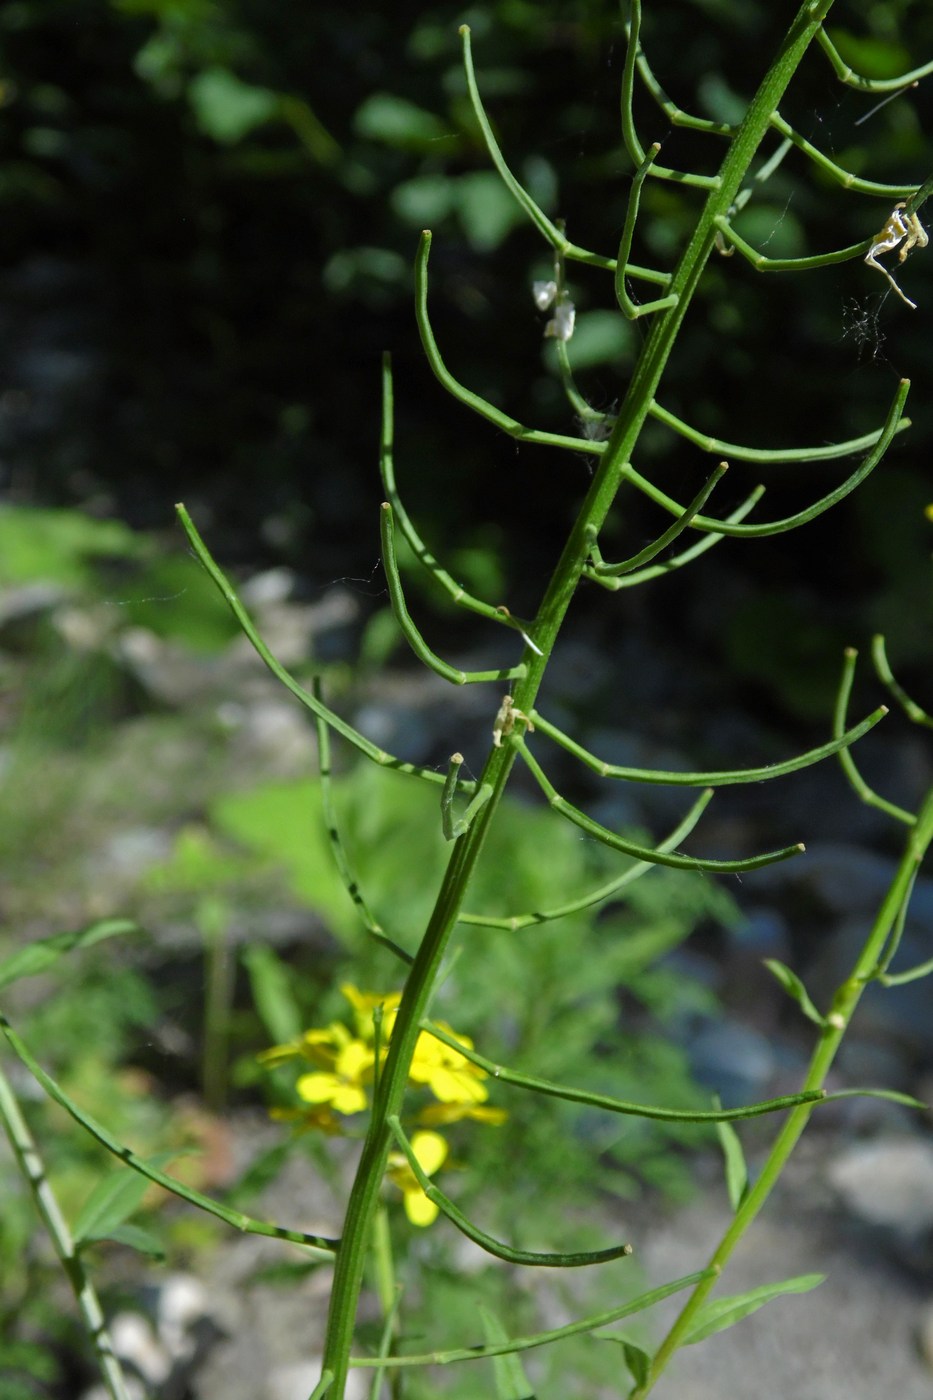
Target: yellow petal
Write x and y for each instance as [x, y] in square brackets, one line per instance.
[419, 1209]
[330, 1088]
[450, 1086]
[430, 1150]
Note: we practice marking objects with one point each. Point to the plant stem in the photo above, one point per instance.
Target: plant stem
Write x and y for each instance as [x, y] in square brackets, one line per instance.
[32, 1168]
[565, 578]
[843, 1006]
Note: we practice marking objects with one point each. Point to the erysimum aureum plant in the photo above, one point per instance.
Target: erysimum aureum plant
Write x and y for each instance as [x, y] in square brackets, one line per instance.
[380, 1066]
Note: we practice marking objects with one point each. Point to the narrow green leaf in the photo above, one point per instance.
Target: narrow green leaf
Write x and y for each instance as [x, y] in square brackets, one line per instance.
[113, 1200]
[892, 1096]
[44, 953]
[795, 988]
[725, 1312]
[736, 1169]
[510, 1379]
[134, 1237]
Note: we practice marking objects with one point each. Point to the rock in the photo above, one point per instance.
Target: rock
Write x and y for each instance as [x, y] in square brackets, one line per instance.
[888, 1185]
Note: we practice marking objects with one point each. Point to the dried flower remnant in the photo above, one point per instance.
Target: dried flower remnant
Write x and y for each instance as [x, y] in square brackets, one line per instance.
[561, 324]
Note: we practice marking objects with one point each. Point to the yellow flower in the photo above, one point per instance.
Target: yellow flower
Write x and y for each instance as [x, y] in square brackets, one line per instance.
[431, 1151]
[437, 1115]
[365, 1003]
[343, 1065]
[342, 1085]
[450, 1076]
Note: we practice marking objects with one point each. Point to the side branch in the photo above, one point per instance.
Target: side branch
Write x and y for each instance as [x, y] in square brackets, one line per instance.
[733, 450]
[486, 1242]
[622, 1106]
[317, 707]
[600, 570]
[723, 778]
[630, 848]
[404, 619]
[459, 391]
[790, 522]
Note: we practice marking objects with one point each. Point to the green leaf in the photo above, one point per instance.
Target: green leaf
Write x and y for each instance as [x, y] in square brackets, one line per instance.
[487, 210]
[637, 1359]
[135, 1237]
[872, 57]
[425, 200]
[113, 1200]
[397, 122]
[725, 1312]
[270, 983]
[795, 988]
[43, 954]
[736, 1169]
[226, 108]
[59, 545]
[510, 1379]
[282, 823]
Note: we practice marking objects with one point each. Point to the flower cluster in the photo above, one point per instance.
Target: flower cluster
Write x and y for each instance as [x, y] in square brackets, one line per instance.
[341, 1070]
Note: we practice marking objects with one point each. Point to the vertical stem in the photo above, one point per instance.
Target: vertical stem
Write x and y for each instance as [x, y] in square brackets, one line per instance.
[843, 1006]
[32, 1168]
[603, 489]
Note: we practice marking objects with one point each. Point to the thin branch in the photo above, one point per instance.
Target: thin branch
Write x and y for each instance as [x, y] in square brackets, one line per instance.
[761, 263]
[455, 591]
[790, 522]
[582, 1259]
[629, 134]
[676, 115]
[723, 778]
[629, 308]
[514, 922]
[338, 849]
[538, 1339]
[630, 848]
[848, 75]
[836, 172]
[466, 396]
[678, 561]
[502, 1074]
[317, 708]
[718, 446]
[911, 709]
[554, 235]
[236, 1218]
[405, 621]
[856, 781]
[602, 570]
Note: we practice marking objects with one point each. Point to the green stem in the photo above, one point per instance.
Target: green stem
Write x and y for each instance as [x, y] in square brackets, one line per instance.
[29, 1161]
[843, 1007]
[608, 477]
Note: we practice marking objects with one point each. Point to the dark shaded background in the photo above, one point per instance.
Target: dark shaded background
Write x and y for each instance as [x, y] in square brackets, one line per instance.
[209, 216]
